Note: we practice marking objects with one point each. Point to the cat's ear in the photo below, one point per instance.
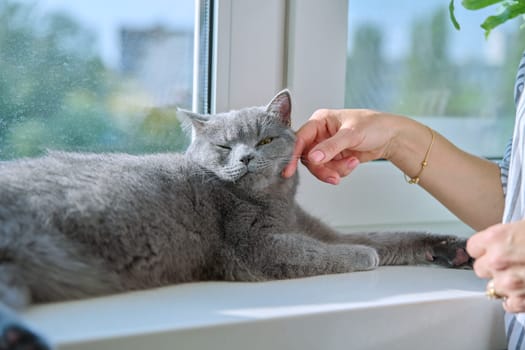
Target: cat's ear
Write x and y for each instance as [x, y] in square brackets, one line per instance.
[198, 121]
[191, 122]
[281, 106]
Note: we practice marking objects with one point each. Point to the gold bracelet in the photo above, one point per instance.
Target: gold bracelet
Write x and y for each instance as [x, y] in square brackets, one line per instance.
[415, 180]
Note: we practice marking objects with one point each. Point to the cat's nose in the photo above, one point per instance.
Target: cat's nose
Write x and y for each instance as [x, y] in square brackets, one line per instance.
[246, 159]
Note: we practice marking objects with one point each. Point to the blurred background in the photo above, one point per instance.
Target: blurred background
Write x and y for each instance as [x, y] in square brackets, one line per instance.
[94, 75]
[106, 75]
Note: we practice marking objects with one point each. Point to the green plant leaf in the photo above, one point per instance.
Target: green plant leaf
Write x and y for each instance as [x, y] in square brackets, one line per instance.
[478, 4]
[510, 11]
[453, 16]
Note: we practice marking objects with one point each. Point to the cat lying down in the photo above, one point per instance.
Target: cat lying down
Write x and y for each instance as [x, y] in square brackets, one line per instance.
[80, 225]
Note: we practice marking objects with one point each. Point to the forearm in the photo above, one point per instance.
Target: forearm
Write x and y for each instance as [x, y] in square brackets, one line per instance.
[469, 186]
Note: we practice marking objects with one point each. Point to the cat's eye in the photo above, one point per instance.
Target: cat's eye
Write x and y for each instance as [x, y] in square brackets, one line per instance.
[224, 147]
[265, 141]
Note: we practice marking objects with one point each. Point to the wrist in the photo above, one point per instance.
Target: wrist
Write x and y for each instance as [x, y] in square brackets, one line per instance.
[400, 140]
[409, 142]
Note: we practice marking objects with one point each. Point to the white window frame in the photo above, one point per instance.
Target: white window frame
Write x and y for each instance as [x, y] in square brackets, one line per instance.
[264, 46]
[248, 58]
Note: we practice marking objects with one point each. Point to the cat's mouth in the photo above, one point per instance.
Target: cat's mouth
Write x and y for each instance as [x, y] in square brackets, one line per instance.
[236, 174]
[245, 173]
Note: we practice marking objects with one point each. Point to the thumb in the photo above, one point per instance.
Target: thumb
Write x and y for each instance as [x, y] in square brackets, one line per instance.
[326, 150]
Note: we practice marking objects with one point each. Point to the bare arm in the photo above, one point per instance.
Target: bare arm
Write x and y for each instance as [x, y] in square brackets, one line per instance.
[469, 186]
[333, 142]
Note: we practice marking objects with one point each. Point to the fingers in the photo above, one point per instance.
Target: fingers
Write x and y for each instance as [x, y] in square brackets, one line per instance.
[325, 146]
[512, 282]
[306, 135]
[328, 149]
[291, 168]
[325, 174]
[511, 287]
[491, 253]
[498, 251]
[316, 129]
[514, 304]
[488, 265]
[478, 243]
[333, 171]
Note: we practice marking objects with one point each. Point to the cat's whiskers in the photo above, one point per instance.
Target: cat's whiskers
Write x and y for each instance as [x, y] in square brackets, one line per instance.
[234, 172]
[204, 173]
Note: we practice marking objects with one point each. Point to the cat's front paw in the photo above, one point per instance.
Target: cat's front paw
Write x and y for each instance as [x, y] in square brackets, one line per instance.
[448, 251]
[18, 337]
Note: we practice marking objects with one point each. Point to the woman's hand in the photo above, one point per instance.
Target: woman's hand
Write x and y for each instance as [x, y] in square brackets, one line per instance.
[333, 142]
[500, 255]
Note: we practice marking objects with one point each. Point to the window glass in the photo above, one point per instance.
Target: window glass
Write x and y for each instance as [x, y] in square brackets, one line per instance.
[406, 57]
[94, 75]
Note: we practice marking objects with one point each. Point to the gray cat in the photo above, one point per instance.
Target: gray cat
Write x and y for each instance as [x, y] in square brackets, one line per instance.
[80, 225]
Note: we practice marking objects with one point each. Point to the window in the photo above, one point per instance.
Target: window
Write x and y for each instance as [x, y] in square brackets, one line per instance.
[409, 59]
[94, 75]
[375, 194]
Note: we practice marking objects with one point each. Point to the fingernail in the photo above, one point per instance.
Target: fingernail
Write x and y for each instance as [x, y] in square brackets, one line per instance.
[352, 163]
[317, 156]
[332, 180]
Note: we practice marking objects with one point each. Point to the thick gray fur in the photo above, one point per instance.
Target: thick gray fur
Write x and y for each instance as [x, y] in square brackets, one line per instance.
[79, 225]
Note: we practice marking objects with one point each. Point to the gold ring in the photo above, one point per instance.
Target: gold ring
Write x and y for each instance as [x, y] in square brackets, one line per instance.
[491, 291]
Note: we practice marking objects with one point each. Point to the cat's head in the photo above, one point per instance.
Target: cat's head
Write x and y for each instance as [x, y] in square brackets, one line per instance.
[249, 147]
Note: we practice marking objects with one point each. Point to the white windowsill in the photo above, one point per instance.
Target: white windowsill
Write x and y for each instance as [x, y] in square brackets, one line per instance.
[391, 307]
